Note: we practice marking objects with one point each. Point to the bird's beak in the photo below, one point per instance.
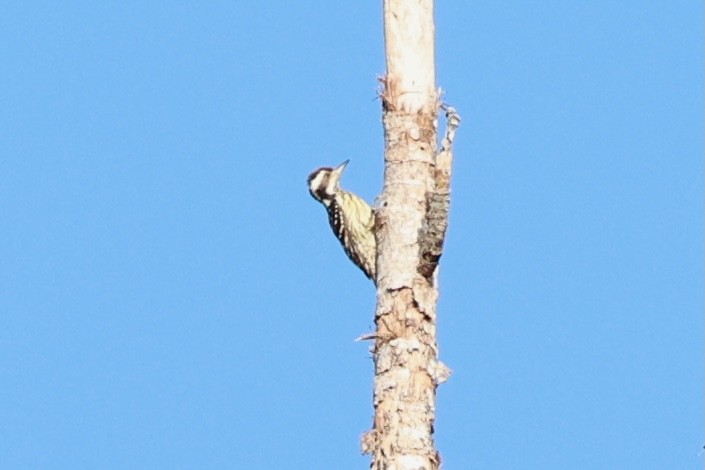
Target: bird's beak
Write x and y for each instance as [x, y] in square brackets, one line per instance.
[339, 169]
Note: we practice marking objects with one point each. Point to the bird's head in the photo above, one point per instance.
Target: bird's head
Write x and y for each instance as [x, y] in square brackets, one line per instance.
[324, 182]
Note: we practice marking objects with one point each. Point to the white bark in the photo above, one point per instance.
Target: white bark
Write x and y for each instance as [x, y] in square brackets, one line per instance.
[407, 370]
[409, 39]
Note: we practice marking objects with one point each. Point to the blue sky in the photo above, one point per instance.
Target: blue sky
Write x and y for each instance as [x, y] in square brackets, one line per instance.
[171, 296]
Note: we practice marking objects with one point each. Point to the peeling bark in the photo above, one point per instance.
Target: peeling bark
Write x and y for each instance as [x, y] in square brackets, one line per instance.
[438, 201]
[407, 369]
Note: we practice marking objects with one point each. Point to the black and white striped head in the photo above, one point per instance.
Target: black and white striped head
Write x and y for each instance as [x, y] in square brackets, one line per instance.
[325, 182]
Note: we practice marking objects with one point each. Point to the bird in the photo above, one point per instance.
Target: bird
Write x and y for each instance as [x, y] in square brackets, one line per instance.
[350, 217]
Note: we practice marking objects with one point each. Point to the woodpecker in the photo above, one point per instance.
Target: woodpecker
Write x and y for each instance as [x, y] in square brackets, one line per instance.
[350, 217]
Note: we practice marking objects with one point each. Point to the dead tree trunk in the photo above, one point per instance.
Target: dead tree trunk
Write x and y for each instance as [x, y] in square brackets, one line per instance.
[411, 220]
